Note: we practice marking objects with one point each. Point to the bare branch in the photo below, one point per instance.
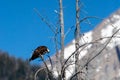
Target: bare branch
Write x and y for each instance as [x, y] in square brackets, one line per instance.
[50, 62]
[44, 20]
[68, 31]
[90, 17]
[49, 73]
[67, 66]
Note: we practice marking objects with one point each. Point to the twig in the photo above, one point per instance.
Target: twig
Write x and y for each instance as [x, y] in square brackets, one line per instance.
[68, 31]
[50, 62]
[67, 66]
[44, 20]
[89, 17]
[50, 76]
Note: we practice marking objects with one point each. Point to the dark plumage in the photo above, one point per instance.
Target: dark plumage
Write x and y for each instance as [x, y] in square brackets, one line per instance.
[41, 50]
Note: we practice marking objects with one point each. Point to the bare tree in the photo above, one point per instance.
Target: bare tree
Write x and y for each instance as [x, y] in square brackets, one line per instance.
[62, 35]
[77, 38]
[61, 31]
[78, 47]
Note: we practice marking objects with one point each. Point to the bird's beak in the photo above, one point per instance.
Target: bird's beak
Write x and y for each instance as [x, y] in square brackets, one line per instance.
[48, 50]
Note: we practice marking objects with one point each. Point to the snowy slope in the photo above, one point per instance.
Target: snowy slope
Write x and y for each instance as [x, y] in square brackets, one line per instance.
[106, 66]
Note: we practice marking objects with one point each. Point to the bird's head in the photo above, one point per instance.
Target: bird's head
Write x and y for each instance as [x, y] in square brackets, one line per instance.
[48, 50]
[44, 49]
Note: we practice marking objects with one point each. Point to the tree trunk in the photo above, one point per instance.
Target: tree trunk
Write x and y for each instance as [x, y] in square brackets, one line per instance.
[77, 39]
[62, 35]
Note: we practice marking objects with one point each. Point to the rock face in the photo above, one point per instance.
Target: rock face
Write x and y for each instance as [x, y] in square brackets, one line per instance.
[102, 42]
[106, 66]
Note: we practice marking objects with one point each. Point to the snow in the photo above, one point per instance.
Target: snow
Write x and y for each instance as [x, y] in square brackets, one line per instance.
[107, 21]
[82, 53]
[84, 39]
[55, 73]
[106, 32]
[109, 30]
[98, 69]
[87, 37]
[117, 24]
[69, 71]
[116, 16]
[69, 50]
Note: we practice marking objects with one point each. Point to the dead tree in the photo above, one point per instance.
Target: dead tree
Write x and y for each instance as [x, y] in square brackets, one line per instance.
[79, 47]
[61, 31]
[61, 35]
[77, 39]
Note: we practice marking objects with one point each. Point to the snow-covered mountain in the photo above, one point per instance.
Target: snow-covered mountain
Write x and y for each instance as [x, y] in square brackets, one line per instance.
[105, 66]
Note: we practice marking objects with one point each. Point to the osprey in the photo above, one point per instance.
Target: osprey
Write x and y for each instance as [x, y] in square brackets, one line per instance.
[41, 50]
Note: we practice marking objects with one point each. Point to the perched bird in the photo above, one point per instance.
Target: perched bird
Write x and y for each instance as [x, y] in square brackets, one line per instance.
[41, 50]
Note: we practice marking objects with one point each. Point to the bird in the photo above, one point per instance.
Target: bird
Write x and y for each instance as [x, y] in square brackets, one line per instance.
[39, 51]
